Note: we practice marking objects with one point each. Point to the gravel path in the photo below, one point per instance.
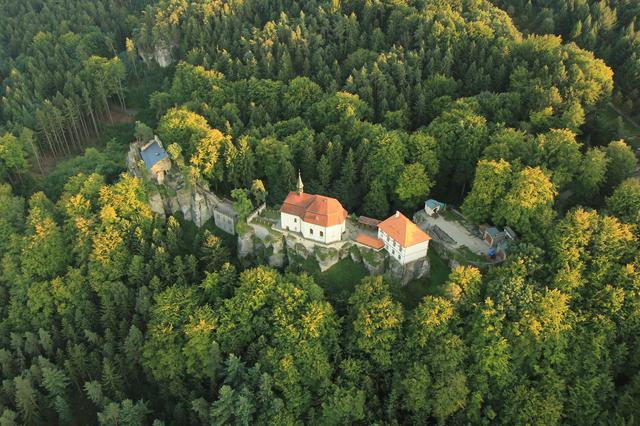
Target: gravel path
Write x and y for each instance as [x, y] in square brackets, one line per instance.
[456, 231]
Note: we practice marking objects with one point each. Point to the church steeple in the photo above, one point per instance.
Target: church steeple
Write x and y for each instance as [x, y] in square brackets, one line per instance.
[300, 186]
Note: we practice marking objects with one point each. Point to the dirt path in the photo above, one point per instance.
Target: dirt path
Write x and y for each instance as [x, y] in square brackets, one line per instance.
[121, 116]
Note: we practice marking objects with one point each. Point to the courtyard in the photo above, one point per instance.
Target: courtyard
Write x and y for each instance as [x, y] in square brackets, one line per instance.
[452, 231]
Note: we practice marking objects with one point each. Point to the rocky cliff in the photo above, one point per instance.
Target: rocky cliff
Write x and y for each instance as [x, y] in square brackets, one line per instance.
[412, 271]
[196, 204]
[161, 54]
[324, 257]
[373, 261]
[259, 243]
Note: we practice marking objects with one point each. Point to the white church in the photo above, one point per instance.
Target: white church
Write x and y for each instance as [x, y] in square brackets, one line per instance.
[316, 217]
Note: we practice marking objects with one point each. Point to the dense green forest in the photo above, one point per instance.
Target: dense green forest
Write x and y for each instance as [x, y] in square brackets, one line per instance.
[111, 315]
[607, 27]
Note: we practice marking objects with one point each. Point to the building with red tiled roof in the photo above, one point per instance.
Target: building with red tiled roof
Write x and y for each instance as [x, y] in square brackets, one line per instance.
[316, 217]
[369, 241]
[403, 239]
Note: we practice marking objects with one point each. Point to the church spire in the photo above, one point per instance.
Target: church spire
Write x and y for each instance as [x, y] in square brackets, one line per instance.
[300, 186]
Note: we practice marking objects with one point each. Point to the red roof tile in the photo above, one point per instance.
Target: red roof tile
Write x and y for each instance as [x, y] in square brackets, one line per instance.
[315, 209]
[403, 230]
[370, 241]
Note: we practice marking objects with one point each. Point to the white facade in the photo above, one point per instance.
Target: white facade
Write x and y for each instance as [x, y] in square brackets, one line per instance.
[326, 235]
[290, 222]
[311, 231]
[402, 254]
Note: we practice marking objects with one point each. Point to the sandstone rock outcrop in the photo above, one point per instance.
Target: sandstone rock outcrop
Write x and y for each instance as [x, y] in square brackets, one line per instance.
[410, 271]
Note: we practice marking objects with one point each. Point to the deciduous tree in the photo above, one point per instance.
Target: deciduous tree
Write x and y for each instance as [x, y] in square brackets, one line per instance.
[493, 179]
[625, 201]
[377, 320]
[528, 204]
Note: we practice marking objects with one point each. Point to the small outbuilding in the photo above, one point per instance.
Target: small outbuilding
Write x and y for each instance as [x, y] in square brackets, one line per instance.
[225, 217]
[433, 207]
[501, 252]
[368, 222]
[493, 235]
[498, 240]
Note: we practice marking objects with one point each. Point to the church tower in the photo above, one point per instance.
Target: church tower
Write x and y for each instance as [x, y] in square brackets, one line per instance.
[300, 186]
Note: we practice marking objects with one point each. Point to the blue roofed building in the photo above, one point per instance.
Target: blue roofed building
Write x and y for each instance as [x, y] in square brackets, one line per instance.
[156, 160]
[433, 207]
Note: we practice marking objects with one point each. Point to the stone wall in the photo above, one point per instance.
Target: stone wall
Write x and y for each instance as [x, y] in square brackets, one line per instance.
[257, 212]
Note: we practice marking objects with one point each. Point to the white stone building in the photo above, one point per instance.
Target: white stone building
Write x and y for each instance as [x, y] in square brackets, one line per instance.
[403, 240]
[316, 217]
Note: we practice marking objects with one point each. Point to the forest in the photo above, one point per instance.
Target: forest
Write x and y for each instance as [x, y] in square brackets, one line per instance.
[112, 315]
[606, 27]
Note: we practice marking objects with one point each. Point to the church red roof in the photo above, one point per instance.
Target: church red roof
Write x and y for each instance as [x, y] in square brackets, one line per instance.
[315, 209]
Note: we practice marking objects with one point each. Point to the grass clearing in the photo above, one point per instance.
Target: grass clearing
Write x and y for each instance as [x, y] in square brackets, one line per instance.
[340, 280]
[271, 214]
[465, 255]
[450, 216]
